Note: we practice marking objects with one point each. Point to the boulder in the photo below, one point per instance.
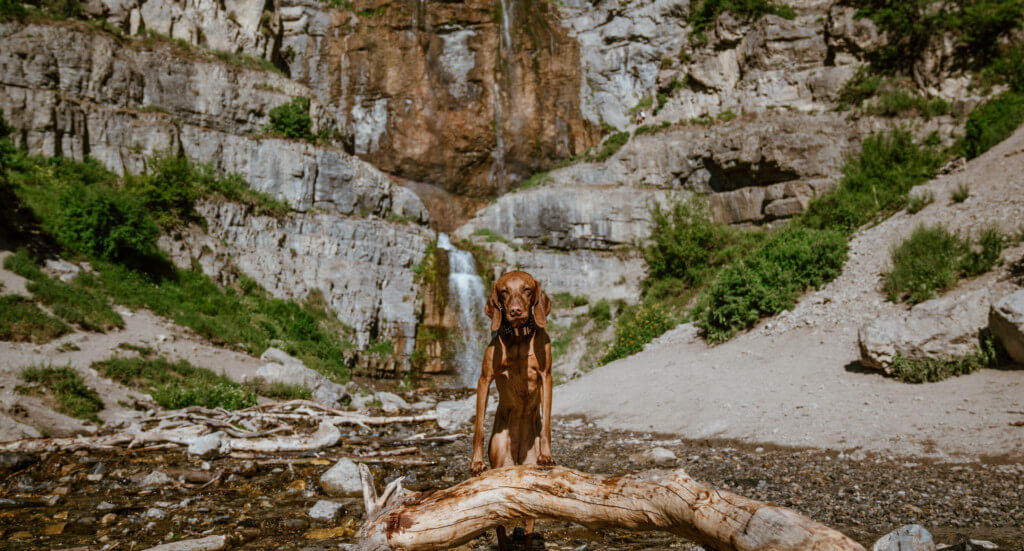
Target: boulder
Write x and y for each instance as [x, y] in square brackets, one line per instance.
[282, 368]
[661, 457]
[1006, 321]
[215, 444]
[912, 537]
[944, 327]
[452, 414]
[391, 402]
[325, 510]
[342, 479]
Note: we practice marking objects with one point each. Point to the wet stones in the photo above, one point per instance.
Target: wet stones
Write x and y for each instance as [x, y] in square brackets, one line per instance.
[326, 510]
[342, 479]
[912, 537]
[215, 444]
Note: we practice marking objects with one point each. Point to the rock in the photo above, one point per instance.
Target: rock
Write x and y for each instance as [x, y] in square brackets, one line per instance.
[361, 401]
[154, 513]
[63, 269]
[912, 537]
[215, 444]
[209, 543]
[15, 461]
[342, 479]
[939, 328]
[295, 524]
[105, 506]
[155, 478]
[282, 368]
[453, 414]
[391, 402]
[1006, 321]
[325, 510]
[108, 519]
[661, 457]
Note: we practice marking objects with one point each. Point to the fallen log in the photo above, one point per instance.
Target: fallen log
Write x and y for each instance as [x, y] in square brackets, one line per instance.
[658, 500]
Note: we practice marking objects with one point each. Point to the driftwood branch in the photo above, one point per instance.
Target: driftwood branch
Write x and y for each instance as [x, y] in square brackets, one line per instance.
[667, 501]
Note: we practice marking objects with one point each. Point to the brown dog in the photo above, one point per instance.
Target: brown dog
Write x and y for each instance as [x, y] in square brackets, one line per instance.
[518, 360]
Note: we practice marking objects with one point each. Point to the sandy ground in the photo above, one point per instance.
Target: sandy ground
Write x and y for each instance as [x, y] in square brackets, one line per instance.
[795, 380]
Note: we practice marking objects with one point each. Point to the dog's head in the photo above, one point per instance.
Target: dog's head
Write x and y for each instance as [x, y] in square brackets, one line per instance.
[516, 295]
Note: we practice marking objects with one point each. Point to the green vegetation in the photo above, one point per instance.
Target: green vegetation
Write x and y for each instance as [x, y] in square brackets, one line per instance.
[611, 144]
[538, 179]
[73, 396]
[769, 279]
[568, 300]
[140, 349]
[651, 129]
[991, 123]
[875, 181]
[635, 327]
[381, 348]
[961, 193]
[892, 103]
[933, 259]
[22, 321]
[930, 370]
[490, 236]
[73, 302]
[920, 201]
[601, 311]
[292, 119]
[426, 270]
[280, 391]
[705, 12]
[176, 385]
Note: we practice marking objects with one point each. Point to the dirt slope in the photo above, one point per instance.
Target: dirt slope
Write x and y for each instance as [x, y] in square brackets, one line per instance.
[793, 379]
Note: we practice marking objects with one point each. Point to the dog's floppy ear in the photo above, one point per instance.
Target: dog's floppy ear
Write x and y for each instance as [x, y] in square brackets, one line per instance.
[493, 308]
[541, 307]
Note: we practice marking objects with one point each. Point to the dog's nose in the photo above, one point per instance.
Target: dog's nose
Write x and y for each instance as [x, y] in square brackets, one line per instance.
[515, 310]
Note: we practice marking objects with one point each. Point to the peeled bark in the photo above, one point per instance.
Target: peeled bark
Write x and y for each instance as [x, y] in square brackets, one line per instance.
[667, 501]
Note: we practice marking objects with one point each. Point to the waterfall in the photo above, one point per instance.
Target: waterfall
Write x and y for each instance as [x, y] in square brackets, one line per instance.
[498, 168]
[466, 291]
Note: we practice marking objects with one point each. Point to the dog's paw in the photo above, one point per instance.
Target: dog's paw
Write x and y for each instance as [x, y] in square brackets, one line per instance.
[477, 467]
[545, 460]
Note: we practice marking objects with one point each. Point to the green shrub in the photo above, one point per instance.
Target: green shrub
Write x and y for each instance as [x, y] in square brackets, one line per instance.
[176, 385]
[292, 119]
[933, 259]
[892, 103]
[1008, 68]
[636, 327]
[769, 280]
[568, 300]
[874, 181]
[73, 396]
[279, 390]
[22, 321]
[687, 245]
[961, 193]
[861, 86]
[991, 123]
[930, 370]
[104, 223]
[704, 15]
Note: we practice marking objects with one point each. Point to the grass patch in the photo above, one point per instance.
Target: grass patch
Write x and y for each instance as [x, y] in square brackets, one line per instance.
[21, 320]
[992, 122]
[610, 146]
[636, 327]
[875, 181]
[140, 349]
[892, 103]
[568, 300]
[651, 129]
[961, 193]
[176, 385]
[72, 302]
[931, 370]
[933, 259]
[490, 236]
[919, 201]
[538, 179]
[278, 390]
[73, 396]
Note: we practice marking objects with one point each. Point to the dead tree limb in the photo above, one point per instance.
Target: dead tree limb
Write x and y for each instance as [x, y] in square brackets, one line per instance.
[667, 501]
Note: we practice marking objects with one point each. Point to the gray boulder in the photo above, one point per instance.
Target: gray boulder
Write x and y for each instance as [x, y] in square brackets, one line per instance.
[1006, 321]
[325, 510]
[939, 328]
[282, 368]
[215, 444]
[661, 457]
[912, 537]
[391, 402]
[452, 414]
[342, 479]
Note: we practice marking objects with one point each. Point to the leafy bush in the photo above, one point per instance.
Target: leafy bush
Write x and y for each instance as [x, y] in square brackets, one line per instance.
[933, 259]
[861, 86]
[22, 321]
[1008, 68]
[104, 223]
[687, 245]
[930, 370]
[992, 122]
[73, 396]
[706, 13]
[637, 327]
[874, 181]
[292, 119]
[176, 385]
[769, 280]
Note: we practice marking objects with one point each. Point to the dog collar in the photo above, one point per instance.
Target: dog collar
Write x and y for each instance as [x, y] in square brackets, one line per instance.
[523, 331]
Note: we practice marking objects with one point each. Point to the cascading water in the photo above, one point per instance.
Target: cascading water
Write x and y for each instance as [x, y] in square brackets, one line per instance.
[466, 290]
